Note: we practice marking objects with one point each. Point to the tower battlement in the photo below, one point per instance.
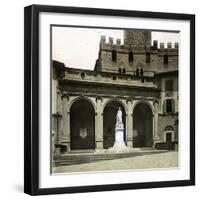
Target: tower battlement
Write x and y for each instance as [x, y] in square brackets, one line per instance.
[118, 44]
[136, 52]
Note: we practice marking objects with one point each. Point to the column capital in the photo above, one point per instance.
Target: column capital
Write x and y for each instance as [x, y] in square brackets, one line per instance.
[66, 96]
[58, 89]
[155, 101]
[99, 98]
[57, 115]
[129, 99]
[100, 113]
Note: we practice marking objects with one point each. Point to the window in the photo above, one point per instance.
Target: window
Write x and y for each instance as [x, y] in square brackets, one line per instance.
[120, 70]
[169, 137]
[141, 72]
[169, 88]
[137, 72]
[124, 71]
[169, 134]
[168, 85]
[130, 56]
[148, 57]
[82, 75]
[169, 105]
[114, 55]
[165, 59]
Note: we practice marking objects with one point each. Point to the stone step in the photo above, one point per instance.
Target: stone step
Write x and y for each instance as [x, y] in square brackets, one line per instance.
[69, 159]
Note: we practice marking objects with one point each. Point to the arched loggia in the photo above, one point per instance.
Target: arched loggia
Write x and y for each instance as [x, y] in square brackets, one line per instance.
[142, 125]
[82, 125]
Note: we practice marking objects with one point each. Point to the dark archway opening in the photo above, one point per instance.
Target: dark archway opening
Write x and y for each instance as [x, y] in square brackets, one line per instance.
[109, 120]
[142, 126]
[82, 125]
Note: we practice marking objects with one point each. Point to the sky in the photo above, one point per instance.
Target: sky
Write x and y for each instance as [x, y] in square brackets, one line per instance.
[79, 47]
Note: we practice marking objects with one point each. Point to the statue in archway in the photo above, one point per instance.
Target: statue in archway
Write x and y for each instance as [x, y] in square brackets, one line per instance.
[119, 116]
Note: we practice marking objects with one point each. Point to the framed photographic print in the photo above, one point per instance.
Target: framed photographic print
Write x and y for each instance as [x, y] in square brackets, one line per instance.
[109, 100]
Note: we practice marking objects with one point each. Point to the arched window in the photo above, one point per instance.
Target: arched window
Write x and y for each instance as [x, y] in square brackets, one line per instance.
[82, 75]
[169, 134]
[124, 71]
[120, 70]
[114, 55]
[148, 57]
[165, 59]
[130, 56]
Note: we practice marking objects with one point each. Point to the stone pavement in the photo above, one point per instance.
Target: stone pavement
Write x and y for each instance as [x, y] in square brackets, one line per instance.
[136, 160]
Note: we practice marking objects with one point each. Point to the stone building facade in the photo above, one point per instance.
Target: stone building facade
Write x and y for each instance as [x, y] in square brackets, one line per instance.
[139, 77]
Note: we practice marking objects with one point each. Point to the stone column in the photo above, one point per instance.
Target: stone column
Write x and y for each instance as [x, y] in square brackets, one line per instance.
[66, 122]
[57, 139]
[58, 122]
[99, 124]
[129, 124]
[155, 123]
[59, 102]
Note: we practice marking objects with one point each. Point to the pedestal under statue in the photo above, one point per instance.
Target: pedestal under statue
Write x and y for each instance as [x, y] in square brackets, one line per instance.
[119, 130]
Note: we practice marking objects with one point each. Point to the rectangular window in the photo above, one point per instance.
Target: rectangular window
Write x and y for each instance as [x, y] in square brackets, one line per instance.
[169, 137]
[130, 56]
[114, 55]
[169, 105]
[165, 59]
[168, 85]
[148, 57]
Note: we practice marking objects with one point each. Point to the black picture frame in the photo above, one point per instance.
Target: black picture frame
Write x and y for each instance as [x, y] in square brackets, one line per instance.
[31, 98]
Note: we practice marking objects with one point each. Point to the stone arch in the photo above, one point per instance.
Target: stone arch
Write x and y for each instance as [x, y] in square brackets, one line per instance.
[169, 128]
[84, 98]
[118, 100]
[110, 109]
[142, 124]
[145, 102]
[82, 124]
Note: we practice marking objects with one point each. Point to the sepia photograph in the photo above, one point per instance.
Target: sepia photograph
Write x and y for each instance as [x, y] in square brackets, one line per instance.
[109, 99]
[114, 99]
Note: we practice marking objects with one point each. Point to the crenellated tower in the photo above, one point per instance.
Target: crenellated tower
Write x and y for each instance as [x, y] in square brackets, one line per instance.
[136, 55]
[137, 39]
